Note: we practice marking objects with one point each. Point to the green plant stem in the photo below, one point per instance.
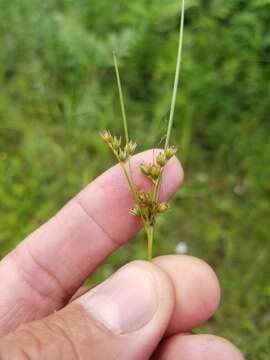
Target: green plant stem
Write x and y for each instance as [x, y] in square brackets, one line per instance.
[130, 181]
[155, 190]
[124, 117]
[174, 95]
[122, 103]
[177, 76]
[150, 238]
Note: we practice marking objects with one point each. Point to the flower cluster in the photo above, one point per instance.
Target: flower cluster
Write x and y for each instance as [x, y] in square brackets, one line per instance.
[122, 153]
[148, 209]
[147, 206]
[153, 171]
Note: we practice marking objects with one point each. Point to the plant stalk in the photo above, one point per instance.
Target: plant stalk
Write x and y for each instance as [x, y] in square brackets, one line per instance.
[125, 125]
[174, 95]
[150, 238]
[122, 103]
[130, 181]
[177, 76]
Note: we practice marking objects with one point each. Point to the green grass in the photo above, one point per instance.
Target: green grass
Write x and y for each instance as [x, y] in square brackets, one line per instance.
[58, 90]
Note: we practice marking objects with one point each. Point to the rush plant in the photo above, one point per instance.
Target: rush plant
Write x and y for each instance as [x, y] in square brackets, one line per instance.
[146, 203]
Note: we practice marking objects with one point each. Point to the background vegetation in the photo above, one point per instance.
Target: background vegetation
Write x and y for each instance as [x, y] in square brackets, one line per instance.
[58, 90]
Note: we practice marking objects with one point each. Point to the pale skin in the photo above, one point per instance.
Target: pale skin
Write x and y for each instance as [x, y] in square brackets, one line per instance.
[145, 310]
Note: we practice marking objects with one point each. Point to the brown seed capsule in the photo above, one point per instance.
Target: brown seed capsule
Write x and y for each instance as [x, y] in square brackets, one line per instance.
[170, 152]
[161, 159]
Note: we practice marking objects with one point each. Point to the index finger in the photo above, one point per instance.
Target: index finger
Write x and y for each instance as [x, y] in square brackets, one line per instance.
[44, 271]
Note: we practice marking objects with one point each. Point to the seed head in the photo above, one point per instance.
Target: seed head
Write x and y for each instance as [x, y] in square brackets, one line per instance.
[136, 211]
[144, 198]
[155, 171]
[106, 136]
[122, 155]
[116, 142]
[161, 208]
[131, 147]
[170, 152]
[161, 159]
[145, 169]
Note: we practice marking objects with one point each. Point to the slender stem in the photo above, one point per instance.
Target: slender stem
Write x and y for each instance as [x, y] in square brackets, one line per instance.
[174, 95]
[124, 116]
[150, 237]
[130, 181]
[177, 76]
[132, 178]
[155, 190]
[121, 96]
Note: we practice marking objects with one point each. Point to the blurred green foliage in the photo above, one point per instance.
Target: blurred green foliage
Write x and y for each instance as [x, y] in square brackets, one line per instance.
[58, 90]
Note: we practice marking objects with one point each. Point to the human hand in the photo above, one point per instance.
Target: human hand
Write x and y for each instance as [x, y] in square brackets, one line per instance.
[144, 310]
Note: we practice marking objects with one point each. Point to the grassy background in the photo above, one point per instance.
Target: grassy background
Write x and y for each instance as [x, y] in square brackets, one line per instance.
[58, 90]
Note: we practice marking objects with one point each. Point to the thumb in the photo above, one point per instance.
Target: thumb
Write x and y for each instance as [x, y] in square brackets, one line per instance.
[123, 318]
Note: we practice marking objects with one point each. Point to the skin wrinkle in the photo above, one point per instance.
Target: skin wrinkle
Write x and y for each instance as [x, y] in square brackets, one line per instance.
[50, 275]
[12, 312]
[27, 357]
[26, 277]
[98, 325]
[67, 339]
[23, 332]
[23, 355]
[114, 188]
[77, 201]
[107, 247]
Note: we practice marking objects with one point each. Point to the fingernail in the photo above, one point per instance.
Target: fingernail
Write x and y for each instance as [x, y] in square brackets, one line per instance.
[124, 303]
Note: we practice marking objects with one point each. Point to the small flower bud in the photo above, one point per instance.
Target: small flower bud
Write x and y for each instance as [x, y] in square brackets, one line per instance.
[106, 136]
[136, 211]
[161, 208]
[144, 198]
[122, 155]
[116, 142]
[170, 152]
[161, 159]
[145, 169]
[155, 172]
[131, 147]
